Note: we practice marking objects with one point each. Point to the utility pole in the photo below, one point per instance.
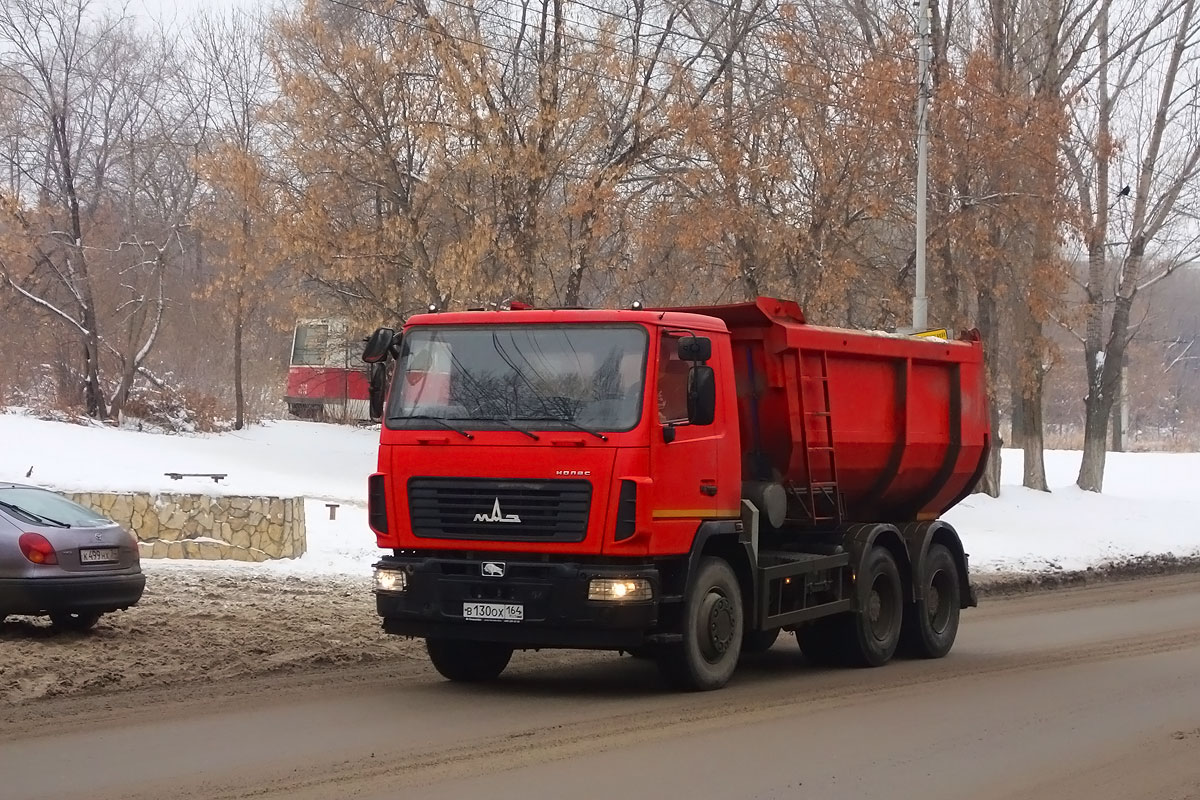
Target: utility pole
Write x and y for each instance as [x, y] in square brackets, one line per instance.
[924, 90]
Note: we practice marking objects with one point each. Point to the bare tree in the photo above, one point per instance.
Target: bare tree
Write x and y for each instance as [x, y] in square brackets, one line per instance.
[1142, 136]
[98, 187]
[233, 65]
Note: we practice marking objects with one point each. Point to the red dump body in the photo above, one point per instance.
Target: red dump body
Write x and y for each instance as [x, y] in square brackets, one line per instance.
[896, 425]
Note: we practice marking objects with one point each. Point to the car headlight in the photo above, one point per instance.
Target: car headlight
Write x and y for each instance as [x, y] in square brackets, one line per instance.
[390, 580]
[619, 589]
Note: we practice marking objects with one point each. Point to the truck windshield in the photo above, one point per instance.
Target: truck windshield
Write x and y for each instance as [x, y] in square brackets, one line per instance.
[571, 376]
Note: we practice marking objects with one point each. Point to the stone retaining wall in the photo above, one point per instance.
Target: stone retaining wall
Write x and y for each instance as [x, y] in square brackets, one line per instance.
[200, 526]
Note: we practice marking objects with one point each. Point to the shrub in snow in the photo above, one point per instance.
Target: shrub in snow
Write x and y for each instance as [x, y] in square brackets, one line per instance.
[172, 410]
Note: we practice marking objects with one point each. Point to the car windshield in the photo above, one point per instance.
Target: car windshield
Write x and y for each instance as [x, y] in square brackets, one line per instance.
[550, 376]
[40, 505]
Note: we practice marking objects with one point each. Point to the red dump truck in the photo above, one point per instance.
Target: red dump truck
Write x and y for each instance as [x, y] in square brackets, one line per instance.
[681, 484]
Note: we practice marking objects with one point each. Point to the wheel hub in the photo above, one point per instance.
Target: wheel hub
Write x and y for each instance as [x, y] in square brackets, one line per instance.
[874, 606]
[717, 625]
[881, 609]
[939, 597]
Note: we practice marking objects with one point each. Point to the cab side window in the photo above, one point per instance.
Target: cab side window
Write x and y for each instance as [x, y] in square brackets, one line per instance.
[672, 382]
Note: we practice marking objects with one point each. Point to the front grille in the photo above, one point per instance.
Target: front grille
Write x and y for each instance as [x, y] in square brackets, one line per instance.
[499, 510]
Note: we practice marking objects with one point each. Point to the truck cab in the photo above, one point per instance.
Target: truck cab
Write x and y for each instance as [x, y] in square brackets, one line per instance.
[578, 478]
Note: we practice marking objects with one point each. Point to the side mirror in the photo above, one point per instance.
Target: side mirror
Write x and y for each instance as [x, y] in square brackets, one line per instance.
[377, 375]
[695, 348]
[702, 395]
[378, 345]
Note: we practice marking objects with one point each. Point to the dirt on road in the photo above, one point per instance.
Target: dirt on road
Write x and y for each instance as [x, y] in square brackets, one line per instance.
[200, 626]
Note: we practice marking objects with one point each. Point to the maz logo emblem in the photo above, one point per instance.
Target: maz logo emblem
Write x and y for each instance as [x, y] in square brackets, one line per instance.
[497, 515]
[492, 569]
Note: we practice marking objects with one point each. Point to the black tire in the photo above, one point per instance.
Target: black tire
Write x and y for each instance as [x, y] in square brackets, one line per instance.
[468, 662]
[75, 621]
[712, 631]
[874, 630]
[823, 641]
[754, 642]
[931, 623]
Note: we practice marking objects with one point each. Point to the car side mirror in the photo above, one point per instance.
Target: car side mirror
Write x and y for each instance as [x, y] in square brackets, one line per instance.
[379, 344]
[695, 348]
[701, 395]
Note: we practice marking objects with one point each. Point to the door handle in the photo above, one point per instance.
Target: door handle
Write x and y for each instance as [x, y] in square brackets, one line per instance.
[708, 488]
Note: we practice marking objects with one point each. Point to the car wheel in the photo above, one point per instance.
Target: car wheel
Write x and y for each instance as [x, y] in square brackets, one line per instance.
[74, 621]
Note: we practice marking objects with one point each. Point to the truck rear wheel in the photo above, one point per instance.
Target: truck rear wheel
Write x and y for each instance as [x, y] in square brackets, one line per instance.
[823, 641]
[931, 623]
[712, 631]
[874, 630]
[468, 662]
[754, 642]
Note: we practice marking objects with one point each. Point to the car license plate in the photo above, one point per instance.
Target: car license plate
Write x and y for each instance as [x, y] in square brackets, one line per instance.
[99, 555]
[494, 612]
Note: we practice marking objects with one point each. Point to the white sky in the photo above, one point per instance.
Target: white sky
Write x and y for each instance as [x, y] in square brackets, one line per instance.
[173, 12]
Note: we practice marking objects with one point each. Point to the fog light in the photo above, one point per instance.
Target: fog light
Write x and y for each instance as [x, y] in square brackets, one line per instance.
[389, 580]
[619, 589]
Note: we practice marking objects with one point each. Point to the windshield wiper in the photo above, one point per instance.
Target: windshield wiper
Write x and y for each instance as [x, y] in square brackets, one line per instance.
[509, 424]
[439, 420]
[568, 422]
[26, 512]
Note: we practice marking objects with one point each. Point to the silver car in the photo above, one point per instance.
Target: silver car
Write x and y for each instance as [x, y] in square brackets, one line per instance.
[64, 560]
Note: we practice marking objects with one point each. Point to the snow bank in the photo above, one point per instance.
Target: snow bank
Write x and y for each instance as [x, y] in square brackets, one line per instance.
[284, 458]
[1149, 506]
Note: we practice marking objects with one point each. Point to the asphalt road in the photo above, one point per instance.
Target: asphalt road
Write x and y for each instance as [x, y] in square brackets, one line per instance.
[1084, 693]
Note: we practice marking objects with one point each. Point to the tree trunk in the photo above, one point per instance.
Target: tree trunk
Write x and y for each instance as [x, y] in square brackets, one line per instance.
[1095, 439]
[989, 482]
[1028, 428]
[1120, 417]
[1018, 411]
[239, 393]
[575, 278]
[1032, 434]
[93, 395]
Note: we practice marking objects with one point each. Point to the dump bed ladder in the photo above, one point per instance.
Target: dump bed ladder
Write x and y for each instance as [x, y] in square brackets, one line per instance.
[821, 499]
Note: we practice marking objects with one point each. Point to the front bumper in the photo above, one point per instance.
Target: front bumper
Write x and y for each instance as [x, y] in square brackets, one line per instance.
[554, 596]
[92, 593]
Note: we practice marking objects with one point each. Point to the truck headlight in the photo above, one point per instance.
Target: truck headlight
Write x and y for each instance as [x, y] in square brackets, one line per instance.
[391, 581]
[620, 589]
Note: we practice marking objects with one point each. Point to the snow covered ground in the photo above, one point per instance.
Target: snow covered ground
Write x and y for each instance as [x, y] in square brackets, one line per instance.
[1149, 506]
[323, 463]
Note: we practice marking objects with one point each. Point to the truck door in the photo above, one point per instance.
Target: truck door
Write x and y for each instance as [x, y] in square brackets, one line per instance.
[683, 456]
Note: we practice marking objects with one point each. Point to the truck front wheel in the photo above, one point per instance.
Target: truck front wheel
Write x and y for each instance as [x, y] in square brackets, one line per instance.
[468, 662]
[713, 623]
